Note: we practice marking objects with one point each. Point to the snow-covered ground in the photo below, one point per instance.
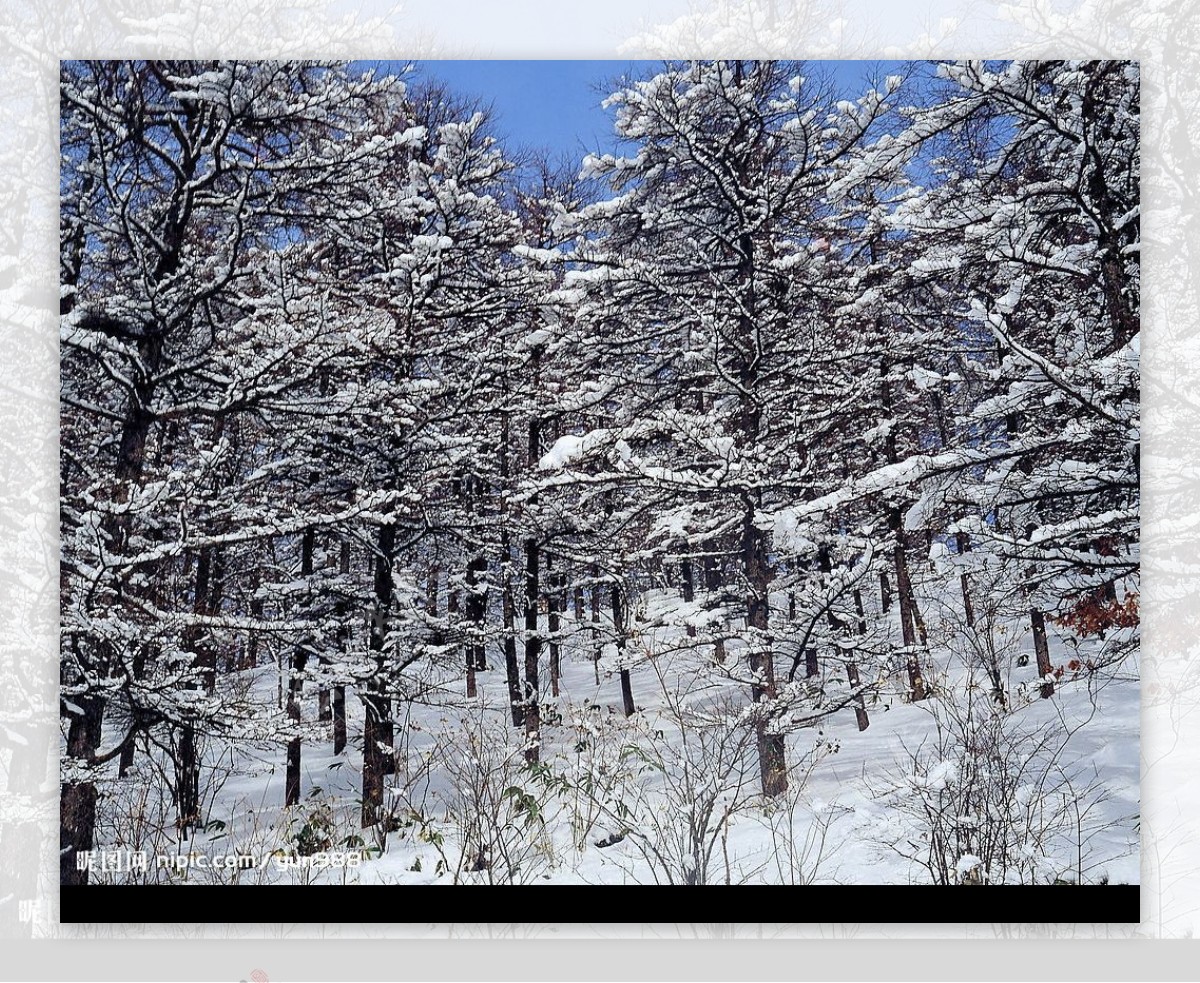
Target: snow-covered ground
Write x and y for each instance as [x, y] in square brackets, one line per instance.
[952, 787]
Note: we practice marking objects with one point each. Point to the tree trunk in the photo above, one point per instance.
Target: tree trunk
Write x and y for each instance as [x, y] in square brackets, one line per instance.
[910, 618]
[533, 647]
[554, 586]
[375, 750]
[1041, 648]
[512, 671]
[714, 580]
[619, 615]
[339, 691]
[339, 719]
[689, 589]
[431, 591]
[860, 709]
[126, 762]
[205, 657]
[747, 351]
[296, 682]
[252, 643]
[377, 728]
[77, 814]
[452, 620]
[77, 800]
[598, 650]
[910, 615]
[476, 605]
[963, 542]
[860, 705]
[291, 791]
[187, 766]
[825, 563]
[772, 752]
[187, 781]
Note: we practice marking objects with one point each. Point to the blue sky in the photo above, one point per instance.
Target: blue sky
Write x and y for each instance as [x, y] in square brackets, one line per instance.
[545, 104]
[556, 104]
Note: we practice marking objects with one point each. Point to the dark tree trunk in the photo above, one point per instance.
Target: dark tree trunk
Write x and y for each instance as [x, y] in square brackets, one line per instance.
[377, 724]
[860, 705]
[627, 704]
[126, 762]
[1041, 648]
[619, 615]
[296, 682]
[452, 616]
[252, 643]
[339, 691]
[205, 657]
[324, 711]
[714, 581]
[187, 781]
[689, 589]
[910, 617]
[291, 791]
[772, 753]
[476, 603]
[187, 767]
[431, 592]
[533, 642]
[554, 587]
[860, 710]
[747, 352]
[479, 616]
[339, 719]
[533, 648]
[961, 539]
[512, 670]
[825, 565]
[216, 590]
[77, 800]
[375, 750]
[598, 650]
[963, 542]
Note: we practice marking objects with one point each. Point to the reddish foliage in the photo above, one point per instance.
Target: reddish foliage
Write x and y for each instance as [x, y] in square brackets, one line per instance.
[1094, 614]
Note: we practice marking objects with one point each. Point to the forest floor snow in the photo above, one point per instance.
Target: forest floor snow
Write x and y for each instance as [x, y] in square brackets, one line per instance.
[1046, 790]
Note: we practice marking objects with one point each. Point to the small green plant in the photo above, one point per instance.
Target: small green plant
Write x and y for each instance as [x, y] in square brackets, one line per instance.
[316, 832]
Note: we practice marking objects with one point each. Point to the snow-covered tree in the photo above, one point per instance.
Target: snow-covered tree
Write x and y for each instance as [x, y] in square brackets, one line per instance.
[704, 323]
[791, 405]
[180, 182]
[1030, 232]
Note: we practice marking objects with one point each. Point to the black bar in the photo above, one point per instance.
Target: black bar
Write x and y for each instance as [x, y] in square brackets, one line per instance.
[560, 904]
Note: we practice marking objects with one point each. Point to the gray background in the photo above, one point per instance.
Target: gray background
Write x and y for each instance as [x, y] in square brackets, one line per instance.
[1163, 34]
